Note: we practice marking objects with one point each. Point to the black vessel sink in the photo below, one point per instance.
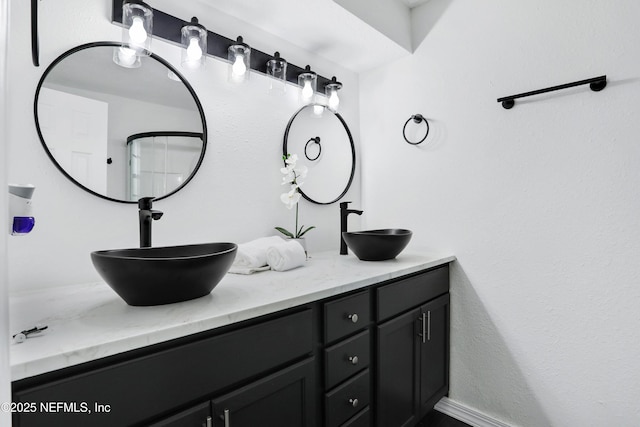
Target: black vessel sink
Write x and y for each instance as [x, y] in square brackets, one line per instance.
[163, 275]
[377, 245]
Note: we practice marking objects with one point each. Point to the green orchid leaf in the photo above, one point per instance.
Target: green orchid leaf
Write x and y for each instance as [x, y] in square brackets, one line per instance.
[285, 232]
[302, 233]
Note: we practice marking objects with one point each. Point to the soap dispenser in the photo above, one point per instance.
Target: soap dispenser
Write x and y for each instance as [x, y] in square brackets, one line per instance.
[21, 220]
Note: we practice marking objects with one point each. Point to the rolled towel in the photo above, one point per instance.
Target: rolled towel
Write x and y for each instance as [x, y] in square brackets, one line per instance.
[286, 255]
[253, 254]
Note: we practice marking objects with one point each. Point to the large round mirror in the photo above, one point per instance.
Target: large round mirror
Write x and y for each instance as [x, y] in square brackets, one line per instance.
[121, 132]
[322, 141]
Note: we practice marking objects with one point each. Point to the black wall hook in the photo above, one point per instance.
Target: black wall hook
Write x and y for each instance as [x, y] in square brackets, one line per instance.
[417, 119]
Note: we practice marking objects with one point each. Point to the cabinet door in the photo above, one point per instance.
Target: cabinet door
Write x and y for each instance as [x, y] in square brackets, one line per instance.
[285, 398]
[397, 371]
[434, 352]
[198, 416]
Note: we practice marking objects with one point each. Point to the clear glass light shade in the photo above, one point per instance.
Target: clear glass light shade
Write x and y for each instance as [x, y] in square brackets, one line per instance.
[239, 62]
[137, 20]
[194, 42]
[331, 90]
[308, 81]
[126, 57]
[277, 70]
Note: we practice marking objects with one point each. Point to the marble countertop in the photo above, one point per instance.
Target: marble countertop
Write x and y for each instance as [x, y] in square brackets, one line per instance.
[88, 322]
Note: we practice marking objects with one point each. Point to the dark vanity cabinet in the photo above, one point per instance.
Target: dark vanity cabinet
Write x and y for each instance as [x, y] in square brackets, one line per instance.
[412, 348]
[170, 384]
[377, 356]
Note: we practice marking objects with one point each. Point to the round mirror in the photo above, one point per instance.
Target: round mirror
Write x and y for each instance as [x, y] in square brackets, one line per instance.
[120, 131]
[322, 141]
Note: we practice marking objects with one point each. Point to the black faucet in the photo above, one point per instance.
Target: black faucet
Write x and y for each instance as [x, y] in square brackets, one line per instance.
[146, 215]
[344, 213]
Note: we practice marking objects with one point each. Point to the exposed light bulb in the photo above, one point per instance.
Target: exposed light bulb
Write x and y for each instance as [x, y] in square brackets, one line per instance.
[334, 101]
[307, 91]
[238, 65]
[137, 33]
[126, 56]
[194, 51]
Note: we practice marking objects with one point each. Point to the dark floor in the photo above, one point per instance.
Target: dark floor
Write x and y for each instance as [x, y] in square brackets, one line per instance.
[438, 419]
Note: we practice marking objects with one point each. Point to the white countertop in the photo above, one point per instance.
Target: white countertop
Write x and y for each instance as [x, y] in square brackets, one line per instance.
[88, 322]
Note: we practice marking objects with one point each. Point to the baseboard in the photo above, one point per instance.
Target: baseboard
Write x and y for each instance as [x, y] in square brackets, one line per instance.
[467, 415]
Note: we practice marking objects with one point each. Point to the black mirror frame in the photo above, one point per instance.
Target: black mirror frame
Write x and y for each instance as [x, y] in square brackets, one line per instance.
[353, 153]
[157, 58]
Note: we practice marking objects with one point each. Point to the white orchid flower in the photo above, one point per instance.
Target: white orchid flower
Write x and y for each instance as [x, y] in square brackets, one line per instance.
[292, 159]
[291, 198]
[301, 171]
[289, 177]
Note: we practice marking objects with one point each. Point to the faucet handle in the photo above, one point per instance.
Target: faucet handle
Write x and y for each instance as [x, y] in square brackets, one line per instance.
[344, 205]
[145, 203]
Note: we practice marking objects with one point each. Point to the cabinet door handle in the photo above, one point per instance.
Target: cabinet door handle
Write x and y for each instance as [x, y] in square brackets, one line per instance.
[423, 319]
[353, 402]
[353, 360]
[227, 418]
[429, 325]
[209, 422]
[353, 317]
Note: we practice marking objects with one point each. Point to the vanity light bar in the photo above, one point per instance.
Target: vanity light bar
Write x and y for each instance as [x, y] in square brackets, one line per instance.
[169, 28]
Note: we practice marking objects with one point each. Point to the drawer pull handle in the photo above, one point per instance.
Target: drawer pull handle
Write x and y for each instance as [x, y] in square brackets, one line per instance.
[353, 317]
[209, 422]
[353, 360]
[353, 402]
[227, 418]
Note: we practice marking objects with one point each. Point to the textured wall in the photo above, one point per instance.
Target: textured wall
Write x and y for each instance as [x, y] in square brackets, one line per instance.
[539, 203]
[234, 197]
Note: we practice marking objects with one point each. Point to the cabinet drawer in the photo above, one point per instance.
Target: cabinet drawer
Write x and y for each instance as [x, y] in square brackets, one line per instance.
[346, 358]
[363, 419]
[198, 415]
[397, 297]
[140, 388]
[346, 316]
[346, 400]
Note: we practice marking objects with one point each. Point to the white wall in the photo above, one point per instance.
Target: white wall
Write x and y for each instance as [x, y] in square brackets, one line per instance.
[235, 196]
[540, 203]
[391, 17]
[5, 392]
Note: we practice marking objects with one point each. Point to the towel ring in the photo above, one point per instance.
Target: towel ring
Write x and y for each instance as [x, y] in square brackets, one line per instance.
[417, 118]
[317, 141]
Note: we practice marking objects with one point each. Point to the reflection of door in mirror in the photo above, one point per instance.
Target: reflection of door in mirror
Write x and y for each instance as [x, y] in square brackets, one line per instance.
[77, 135]
[160, 162]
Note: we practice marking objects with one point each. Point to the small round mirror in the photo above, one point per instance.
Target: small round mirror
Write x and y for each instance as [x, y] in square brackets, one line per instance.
[121, 128]
[322, 141]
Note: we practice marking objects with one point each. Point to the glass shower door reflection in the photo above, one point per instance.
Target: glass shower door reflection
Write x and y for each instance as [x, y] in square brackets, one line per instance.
[160, 162]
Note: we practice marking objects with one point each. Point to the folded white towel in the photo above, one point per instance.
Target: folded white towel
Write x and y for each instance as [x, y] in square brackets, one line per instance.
[253, 254]
[247, 270]
[286, 255]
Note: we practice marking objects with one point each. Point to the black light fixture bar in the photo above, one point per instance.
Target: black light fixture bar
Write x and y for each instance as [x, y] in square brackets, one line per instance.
[596, 84]
[35, 46]
[169, 27]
